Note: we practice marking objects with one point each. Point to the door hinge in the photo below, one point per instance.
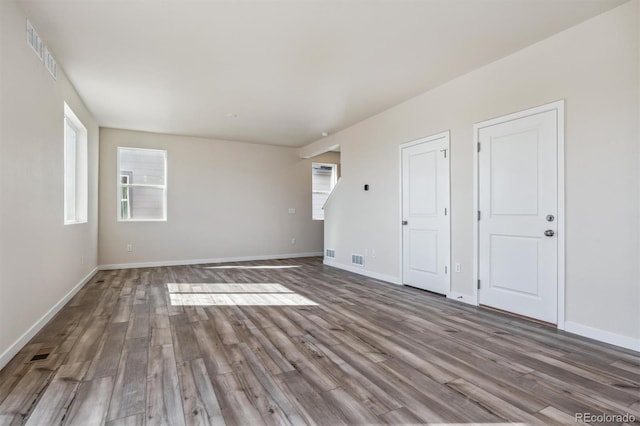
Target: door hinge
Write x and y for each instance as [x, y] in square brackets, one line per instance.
[478, 284]
[445, 269]
[445, 211]
[445, 152]
[478, 214]
[478, 146]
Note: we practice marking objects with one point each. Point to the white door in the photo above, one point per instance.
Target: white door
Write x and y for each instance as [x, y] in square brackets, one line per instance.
[518, 214]
[425, 214]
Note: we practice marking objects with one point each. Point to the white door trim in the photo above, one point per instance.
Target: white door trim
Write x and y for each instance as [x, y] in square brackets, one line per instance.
[558, 107]
[446, 134]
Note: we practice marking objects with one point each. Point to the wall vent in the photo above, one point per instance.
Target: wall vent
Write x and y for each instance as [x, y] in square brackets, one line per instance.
[34, 40]
[357, 259]
[330, 253]
[50, 63]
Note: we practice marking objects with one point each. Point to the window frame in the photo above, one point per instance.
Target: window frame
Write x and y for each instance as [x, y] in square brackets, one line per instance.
[80, 169]
[119, 187]
[125, 196]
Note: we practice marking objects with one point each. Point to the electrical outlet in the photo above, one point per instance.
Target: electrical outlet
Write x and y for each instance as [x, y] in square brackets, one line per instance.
[366, 252]
[373, 253]
[293, 241]
[129, 247]
[82, 260]
[458, 267]
[292, 210]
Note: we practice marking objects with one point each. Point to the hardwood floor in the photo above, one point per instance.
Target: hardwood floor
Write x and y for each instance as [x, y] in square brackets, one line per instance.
[132, 348]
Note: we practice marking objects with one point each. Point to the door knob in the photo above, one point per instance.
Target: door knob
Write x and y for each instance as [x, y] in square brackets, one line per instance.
[549, 233]
[405, 222]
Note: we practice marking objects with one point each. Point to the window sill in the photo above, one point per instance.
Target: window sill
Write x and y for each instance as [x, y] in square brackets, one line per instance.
[141, 220]
[75, 222]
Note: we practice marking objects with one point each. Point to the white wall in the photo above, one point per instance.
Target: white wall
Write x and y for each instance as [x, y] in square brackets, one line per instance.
[638, 68]
[40, 257]
[225, 200]
[594, 66]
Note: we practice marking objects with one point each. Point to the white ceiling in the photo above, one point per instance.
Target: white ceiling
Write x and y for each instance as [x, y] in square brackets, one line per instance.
[279, 72]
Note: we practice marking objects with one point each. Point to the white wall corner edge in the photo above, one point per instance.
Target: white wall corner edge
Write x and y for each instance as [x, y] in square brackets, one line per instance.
[205, 261]
[603, 336]
[22, 341]
[462, 298]
[361, 271]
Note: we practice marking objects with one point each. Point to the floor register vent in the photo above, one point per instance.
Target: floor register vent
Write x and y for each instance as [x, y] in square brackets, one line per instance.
[41, 355]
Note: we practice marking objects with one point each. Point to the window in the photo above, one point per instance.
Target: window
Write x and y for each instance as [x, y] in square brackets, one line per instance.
[142, 184]
[323, 179]
[75, 169]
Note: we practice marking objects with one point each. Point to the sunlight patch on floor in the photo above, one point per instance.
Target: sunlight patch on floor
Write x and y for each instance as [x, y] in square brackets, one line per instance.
[227, 288]
[235, 299]
[234, 294]
[253, 267]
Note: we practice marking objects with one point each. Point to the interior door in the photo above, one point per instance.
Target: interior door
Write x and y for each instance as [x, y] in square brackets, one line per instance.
[517, 228]
[425, 214]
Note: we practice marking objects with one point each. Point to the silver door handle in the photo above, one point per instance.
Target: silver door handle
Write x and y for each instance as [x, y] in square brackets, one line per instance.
[549, 233]
[405, 222]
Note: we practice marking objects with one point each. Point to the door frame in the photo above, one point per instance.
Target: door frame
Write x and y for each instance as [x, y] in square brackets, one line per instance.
[558, 107]
[447, 135]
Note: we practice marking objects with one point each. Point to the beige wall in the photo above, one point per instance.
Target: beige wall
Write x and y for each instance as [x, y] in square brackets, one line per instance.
[40, 257]
[594, 67]
[225, 200]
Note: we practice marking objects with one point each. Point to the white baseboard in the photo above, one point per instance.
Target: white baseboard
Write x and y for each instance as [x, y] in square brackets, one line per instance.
[359, 270]
[204, 261]
[8, 354]
[603, 336]
[464, 298]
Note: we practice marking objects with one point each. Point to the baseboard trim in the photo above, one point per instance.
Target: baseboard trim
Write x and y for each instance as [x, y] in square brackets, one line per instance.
[462, 298]
[358, 270]
[8, 354]
[205, 261]
[603, 336]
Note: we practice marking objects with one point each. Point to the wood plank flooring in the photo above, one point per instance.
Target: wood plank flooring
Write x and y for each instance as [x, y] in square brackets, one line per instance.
[362, 352]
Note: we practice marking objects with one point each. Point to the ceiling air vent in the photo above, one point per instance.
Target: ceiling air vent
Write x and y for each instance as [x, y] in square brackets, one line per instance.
[357, 259]
[330, 253]
[34, 40]
[50, 64]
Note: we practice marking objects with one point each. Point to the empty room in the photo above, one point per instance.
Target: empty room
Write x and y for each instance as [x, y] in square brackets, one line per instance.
[323, 212]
